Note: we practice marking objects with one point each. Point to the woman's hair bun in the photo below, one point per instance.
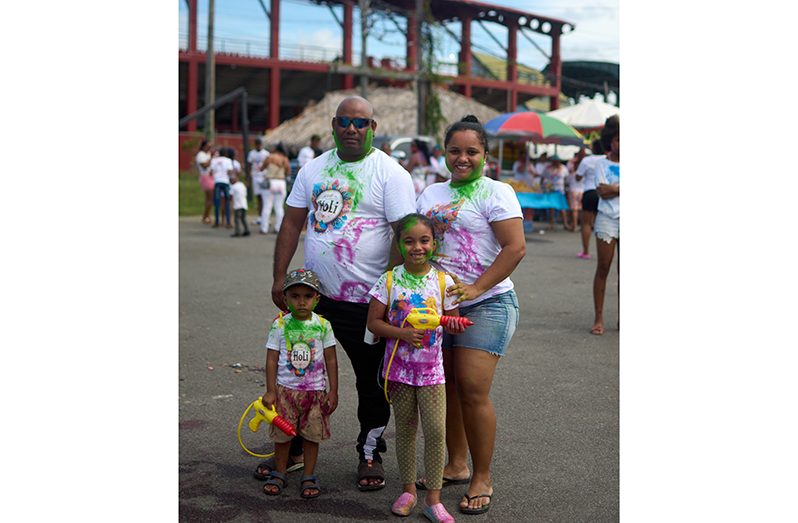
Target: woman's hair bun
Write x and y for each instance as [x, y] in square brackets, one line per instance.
[470, 118]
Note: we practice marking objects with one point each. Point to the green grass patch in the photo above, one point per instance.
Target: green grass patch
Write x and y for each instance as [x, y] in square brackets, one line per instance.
[192, 199]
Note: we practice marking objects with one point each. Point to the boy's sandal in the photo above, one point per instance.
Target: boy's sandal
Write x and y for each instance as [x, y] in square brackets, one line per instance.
[403, 504]
[314, 485]
[484, 508]
[370, 469]
[437, 514]
[277, 480]
[265, 468]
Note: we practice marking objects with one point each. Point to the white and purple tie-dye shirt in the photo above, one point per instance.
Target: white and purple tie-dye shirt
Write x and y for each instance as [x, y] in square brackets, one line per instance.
[351, 206]
[462, 217]
[301, 363]
[414, 366]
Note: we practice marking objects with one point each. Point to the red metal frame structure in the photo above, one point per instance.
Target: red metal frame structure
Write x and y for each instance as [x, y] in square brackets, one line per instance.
[464, 11]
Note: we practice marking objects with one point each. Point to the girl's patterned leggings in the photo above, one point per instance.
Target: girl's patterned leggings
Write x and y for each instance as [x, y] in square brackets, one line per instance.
[430, 402]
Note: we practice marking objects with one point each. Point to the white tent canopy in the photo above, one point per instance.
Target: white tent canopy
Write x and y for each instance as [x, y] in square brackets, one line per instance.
[585, 115]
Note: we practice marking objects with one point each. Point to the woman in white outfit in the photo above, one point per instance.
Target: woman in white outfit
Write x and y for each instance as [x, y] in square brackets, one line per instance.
[276, 167]
[607, 225]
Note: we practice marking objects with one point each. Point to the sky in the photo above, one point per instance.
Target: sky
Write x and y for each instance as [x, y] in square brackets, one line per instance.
[242, 26]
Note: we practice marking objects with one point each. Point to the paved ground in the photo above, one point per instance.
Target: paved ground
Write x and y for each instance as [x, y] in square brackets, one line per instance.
[556, 395]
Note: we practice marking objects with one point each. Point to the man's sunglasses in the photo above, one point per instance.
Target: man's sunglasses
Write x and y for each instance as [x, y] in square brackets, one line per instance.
[344, 121]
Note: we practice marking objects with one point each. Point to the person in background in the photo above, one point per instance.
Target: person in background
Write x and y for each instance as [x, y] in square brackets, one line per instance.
[348, 199]
[238, 193]
[437, 164]
[308, 152]
[236, 164]
[203, 161]
[221, 169]
[574, 188]
[255, 159]
[540, 165]
[607, 224]
[587, 175]
[522, 172]
[276, 167]
[417, 164]
[556, 173]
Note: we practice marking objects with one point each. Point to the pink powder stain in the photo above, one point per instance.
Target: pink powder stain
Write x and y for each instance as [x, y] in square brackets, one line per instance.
[346, 246]
[466, 252]
[352, 291]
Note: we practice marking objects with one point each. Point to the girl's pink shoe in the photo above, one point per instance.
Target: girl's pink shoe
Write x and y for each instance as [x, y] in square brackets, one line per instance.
[437, 514]
[404, 504]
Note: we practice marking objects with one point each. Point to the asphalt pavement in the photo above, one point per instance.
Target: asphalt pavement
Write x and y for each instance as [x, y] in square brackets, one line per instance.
[556, 395]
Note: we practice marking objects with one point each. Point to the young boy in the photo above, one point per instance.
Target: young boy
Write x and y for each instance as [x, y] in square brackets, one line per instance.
[239, 194]
[301, 347]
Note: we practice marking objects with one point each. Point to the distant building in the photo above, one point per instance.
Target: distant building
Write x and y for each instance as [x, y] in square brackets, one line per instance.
[280, 84]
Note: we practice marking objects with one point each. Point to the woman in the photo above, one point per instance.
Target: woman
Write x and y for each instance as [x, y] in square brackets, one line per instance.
[482, 241]
[276, 167]
[607, 225]
[203, 160]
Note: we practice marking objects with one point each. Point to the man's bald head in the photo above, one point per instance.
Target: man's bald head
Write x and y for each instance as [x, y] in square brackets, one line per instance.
[355, 104]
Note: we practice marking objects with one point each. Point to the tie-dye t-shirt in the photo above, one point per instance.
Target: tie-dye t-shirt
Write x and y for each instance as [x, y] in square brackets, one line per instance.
[414, 366]
[609, 172]
[351, 206]
[301, 363]
[462, 217]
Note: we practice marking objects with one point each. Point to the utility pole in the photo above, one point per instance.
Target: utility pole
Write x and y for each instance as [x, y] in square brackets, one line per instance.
[210, 78]
[364, 32]
[421, 79]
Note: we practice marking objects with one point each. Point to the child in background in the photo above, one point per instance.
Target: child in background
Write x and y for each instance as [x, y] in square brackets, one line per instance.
[416, 379]
[238, 193]
[301, 352]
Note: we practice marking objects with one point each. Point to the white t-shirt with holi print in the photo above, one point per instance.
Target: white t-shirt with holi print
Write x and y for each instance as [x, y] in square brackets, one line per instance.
[414, 366]
[462, 217]
[301, 363]
[609, 172]
[351, 206]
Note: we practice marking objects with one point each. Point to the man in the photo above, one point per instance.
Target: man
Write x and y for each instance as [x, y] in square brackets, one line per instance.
[309, 152]
[254, 160]
[349, 198]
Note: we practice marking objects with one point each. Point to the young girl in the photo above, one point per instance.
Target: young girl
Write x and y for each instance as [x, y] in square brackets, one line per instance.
[301, 352]
[416, 379]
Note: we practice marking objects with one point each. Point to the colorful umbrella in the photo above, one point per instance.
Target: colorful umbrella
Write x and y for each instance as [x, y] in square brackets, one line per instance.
[537, 128]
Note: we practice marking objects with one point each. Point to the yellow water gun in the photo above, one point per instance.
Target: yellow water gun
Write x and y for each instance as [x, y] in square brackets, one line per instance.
[263, 414]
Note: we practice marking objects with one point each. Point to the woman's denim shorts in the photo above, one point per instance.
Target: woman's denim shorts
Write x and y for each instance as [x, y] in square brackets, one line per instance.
[495, 321]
